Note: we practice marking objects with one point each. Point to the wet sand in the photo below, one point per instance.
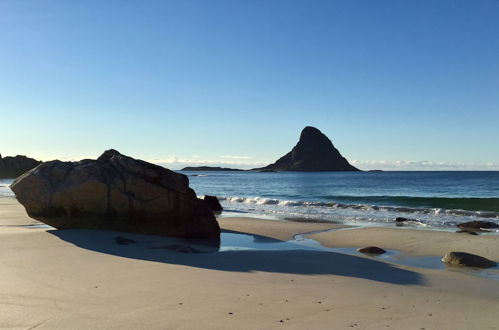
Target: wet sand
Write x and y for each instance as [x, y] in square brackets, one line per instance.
[82, 279]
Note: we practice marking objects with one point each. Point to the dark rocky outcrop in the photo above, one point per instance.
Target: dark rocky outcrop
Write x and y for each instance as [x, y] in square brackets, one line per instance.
[402, 220]
[313, 153]
[12, 167]
[478, 225]
[371, 250]
[209, 168]
[467, 259]
[115, 192]
[213, 203]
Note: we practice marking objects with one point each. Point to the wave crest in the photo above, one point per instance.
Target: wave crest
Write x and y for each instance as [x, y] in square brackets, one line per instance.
[370, 207]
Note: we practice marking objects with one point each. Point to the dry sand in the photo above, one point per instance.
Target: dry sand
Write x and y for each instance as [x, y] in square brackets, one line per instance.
[82, 279]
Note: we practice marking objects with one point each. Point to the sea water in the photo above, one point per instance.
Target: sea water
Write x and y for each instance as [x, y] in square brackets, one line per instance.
[438, 200]
[4, 188]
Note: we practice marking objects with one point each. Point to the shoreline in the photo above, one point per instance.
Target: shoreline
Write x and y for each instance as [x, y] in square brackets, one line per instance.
[410, 241]
[365, 211]
[409, 225]
[83, 279]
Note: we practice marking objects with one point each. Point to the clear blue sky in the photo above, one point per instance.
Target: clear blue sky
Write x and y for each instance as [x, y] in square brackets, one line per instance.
[234, 82]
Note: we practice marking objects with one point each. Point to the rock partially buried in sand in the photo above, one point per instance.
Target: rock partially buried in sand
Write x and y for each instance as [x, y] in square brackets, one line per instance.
[478, 225]
[401, 219]
[371, 250]
[116, 192]
[213, 203]
[467, 259]
[469, 232]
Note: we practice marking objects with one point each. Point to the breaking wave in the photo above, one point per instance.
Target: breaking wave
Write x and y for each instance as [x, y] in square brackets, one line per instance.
[469, 207]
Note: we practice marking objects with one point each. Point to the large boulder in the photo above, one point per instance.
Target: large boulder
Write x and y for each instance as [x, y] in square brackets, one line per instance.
[115, 192]
[467, 259]
[12, 167]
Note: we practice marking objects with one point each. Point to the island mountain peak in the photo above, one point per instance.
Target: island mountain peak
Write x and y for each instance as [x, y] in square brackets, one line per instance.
[314, 152]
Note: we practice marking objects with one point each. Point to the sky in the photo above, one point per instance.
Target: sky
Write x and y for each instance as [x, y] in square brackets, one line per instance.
[407, 85]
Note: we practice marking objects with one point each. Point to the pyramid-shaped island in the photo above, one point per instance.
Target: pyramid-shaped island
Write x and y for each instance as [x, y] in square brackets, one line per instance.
[314, 152]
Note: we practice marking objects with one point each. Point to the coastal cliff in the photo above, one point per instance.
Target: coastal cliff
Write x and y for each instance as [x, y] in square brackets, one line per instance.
[12, 167]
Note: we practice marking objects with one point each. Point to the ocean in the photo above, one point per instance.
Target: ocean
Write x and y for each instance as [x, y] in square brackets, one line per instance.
[437, 200]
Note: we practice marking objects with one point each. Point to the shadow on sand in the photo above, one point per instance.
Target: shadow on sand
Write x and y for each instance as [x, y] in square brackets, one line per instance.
[299, 260]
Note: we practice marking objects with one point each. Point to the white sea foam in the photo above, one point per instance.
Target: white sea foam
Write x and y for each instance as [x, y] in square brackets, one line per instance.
[355, 213]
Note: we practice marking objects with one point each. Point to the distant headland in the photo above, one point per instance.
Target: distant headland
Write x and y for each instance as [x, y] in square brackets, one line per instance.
[210, 168]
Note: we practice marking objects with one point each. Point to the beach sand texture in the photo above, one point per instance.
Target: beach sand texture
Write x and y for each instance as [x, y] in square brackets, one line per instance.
[82, 279]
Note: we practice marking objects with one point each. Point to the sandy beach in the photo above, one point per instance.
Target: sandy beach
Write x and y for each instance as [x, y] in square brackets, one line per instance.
[82, 279]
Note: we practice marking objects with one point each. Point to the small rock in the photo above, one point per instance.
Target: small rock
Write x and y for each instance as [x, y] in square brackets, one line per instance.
[213, 203]
[467, 259]
[371, 250]
[402, 220]
[123, 240]
[467, 232]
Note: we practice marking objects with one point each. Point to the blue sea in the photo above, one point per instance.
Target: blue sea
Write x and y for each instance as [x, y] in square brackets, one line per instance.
[438, 200]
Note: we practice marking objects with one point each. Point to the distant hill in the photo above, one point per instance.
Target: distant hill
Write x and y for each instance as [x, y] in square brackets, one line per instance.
[209, 168]
[314, 152]
[12, 167]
